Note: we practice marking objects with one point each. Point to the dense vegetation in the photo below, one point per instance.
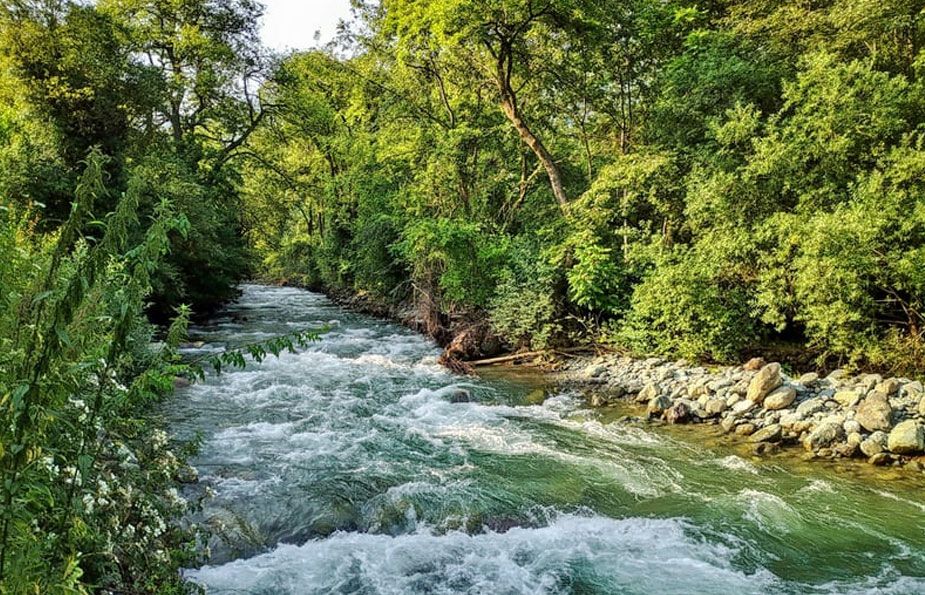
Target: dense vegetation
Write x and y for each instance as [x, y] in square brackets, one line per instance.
[671, 177]
[699, 179]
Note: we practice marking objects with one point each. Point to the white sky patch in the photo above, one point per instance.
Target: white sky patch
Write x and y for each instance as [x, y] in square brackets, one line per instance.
[293, 24]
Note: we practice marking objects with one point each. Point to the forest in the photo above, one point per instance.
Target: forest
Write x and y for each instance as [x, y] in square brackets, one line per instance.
[689, 179]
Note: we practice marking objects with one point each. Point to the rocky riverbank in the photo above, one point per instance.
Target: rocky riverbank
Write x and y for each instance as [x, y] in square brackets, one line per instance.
[831, 417]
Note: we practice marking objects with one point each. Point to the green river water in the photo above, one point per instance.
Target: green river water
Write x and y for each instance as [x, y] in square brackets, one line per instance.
[345, 468]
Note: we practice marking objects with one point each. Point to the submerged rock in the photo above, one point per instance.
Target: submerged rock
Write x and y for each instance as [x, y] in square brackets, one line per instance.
[771, 433]
[460, 396]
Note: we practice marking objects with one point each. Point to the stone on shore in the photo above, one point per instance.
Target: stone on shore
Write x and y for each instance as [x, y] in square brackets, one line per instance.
[875, 413]
[771, 433]
[780, 398]
[907, 438]
[767, 379]
[658, 405]
[678, 413]
[847, 398]
[648, 392]
[824, 435]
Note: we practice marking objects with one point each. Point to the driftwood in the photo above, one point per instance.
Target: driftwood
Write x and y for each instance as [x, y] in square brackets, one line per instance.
[527, 354]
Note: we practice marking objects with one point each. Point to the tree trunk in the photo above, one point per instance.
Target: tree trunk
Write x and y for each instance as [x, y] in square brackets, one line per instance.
[552, 170]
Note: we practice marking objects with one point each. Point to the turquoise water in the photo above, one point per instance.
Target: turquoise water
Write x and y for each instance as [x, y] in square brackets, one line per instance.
[345, 468]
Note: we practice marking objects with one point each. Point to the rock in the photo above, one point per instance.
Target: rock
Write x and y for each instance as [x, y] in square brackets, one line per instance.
[765, 448]
[922, 407]
[678, 413]
[745, 429]
[808, 379]
[595, 370]
[870, 448]
[836, 375]
[743, 406]
[880, 459]
[854, 439]
[870, 381]
[766, 380]
[847, 398]
[754, 364]
[852, 427]
[875, 413]
[890, 386]
[729, 423]
[824, 435]
[658, 405]
[790, 418]
[771, 433]
[460, 396]
[912, 389]
[907, 438]
[780, 398]
[846, 450]
[714, 407]
[810, 406]
[648, 392]
[598, 400]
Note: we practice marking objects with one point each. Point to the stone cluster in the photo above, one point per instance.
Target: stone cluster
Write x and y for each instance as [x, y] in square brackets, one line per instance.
[881, 419]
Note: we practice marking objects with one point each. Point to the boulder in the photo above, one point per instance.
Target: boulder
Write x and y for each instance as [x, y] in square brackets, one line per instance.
[890, 386]
[875, 413]
[678, 413]
[907, 438]
[810, 406]
[870, 447]
[771, 433]
[847, 398]
[767, 379]
[808, 379]
[714, 407]
[823, 435]
[658, 405]
[754, 364]
[460, 396]
[648, 392]
[780, 398]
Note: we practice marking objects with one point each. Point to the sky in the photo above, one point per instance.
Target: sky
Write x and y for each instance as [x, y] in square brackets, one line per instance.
[291, 24]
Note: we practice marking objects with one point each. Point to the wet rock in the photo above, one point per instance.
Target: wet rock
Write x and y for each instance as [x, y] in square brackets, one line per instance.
[678, 413]
[907, 438]
[823, 435]
[765, 448]
[870, 447]
[847, 398]
[880, 459]
[765, 381]
[780, 398]
[771, 433]
[460, 396]
[658, 405]
[746, 429]
[875, 413]
[846, 450]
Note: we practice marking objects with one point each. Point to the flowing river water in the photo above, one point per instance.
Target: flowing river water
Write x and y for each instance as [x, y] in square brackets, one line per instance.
[346, 468]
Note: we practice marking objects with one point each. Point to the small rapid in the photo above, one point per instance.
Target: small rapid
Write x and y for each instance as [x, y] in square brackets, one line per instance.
[349, 467]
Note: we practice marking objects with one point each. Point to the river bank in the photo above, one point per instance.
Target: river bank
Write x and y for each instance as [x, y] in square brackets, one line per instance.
[866, 416]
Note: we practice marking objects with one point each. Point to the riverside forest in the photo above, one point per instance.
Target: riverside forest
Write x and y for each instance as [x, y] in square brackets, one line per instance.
[250, 300]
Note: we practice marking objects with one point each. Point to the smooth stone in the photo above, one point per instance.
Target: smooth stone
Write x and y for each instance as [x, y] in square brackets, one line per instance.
[745, 429]
[766, 380]
[824, 435]
[889, 386]
[875, 413]
[743, 406]
[847, 398]
[714, 407]
[771, 433]
[907, 438]
[851, 427]
[870, 447]
[808, 378]
[810, 406]
[780, 398]
[648, 392]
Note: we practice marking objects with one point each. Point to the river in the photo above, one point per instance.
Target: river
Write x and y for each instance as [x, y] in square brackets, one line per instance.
[346, 468]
